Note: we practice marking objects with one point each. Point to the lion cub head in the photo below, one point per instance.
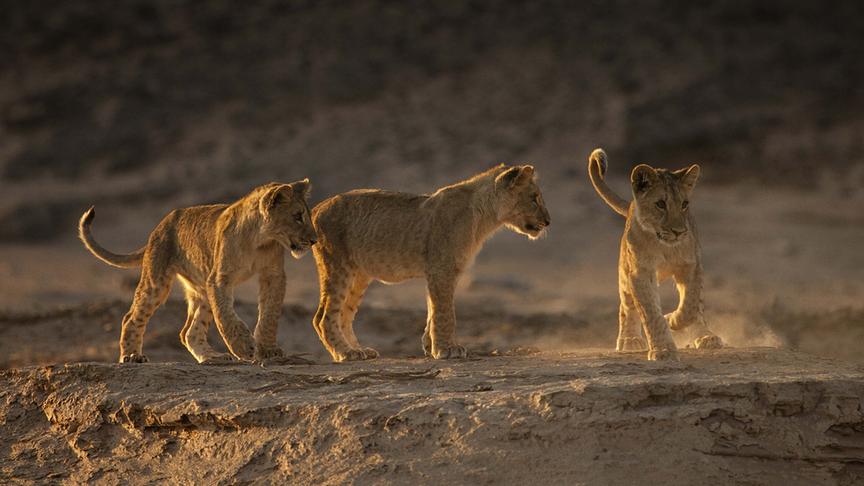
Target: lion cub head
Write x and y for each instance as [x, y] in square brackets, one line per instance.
[520, 204]
[285, 216]
[662, 200]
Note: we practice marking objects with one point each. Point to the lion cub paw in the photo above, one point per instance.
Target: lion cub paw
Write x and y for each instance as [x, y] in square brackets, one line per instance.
[134, 358]
[219, 360]
[675, 322]
[244, 353]
[370, 353]
[631, 344]
[710, 341]
[268, 352]
[351, 355]
[663, 355]
[450, 352]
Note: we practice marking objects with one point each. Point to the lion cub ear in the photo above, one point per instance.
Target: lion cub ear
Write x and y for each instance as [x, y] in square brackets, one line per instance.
[514, 176]
[688, 176]
[642, 178]
[301, 188]
[275, 194]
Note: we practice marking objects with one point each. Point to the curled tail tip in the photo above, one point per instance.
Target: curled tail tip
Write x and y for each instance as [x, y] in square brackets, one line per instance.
[87, 217]
[598, 156]
[598, 153]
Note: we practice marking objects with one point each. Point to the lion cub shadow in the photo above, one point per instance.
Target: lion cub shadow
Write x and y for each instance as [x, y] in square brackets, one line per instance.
[506, 352]
[286, 360]
[289, 359]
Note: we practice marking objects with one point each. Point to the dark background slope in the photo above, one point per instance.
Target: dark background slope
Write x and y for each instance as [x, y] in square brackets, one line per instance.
[139, 107]
[182, 102]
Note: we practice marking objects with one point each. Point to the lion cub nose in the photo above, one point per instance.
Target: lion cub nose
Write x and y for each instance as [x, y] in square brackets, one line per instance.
[312, 241]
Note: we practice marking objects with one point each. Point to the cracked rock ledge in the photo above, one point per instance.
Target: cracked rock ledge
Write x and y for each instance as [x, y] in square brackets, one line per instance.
[753, 416]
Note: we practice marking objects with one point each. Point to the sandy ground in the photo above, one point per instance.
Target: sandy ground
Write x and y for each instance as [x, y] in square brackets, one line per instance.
[742, 416]
[783, 268]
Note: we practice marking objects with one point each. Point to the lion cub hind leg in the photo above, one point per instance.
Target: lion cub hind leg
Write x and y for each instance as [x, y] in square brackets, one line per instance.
[152, 291]
[349, 311]
[426, 340]
[708, 341]
[328, 319]
[196, 336]
[696, 335]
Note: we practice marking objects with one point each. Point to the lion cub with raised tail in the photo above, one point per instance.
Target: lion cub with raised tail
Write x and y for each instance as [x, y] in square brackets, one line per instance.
[367, 235]
[659, 241]
[211, 249]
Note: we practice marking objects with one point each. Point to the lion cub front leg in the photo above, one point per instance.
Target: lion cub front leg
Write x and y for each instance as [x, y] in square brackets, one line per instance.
[689, 318]
[629, 326]
[661, 346]
[334, 282]
[271, 292]
[234, 331]
[442, 318]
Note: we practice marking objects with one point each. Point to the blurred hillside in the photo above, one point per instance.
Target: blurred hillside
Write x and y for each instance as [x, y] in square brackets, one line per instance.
[166, 103]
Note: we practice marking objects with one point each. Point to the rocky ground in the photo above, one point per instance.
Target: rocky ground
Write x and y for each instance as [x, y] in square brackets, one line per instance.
[734, 416]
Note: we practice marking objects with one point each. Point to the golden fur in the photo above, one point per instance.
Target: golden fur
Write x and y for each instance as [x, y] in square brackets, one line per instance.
[660, 240]
[211, 249]
[390, 237]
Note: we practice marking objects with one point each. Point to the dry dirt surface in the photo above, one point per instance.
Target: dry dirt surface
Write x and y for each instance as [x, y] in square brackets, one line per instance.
[733, 416]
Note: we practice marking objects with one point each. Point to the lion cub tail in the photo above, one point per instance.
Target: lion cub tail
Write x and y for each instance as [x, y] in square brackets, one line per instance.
[129, 260]
[597, 170]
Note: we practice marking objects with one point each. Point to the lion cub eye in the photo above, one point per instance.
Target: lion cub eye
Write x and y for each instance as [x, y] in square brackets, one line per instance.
[298, 217]
[661, 204]
[685, 204]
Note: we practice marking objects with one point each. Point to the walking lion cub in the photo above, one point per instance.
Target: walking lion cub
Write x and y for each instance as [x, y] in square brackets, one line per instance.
[390, 237]
[212, 249]
[659, 241]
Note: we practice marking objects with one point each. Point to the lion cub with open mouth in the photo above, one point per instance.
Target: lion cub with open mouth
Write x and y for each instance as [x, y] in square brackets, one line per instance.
[212, 249]
[390, 237]
[659, 241]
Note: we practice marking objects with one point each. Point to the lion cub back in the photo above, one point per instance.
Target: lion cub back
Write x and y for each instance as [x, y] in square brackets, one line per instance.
[381, 233]
[195, 230]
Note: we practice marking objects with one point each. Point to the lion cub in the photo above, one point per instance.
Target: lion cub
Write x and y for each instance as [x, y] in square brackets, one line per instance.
[390, 237]
[660, 241]
[211, 249]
